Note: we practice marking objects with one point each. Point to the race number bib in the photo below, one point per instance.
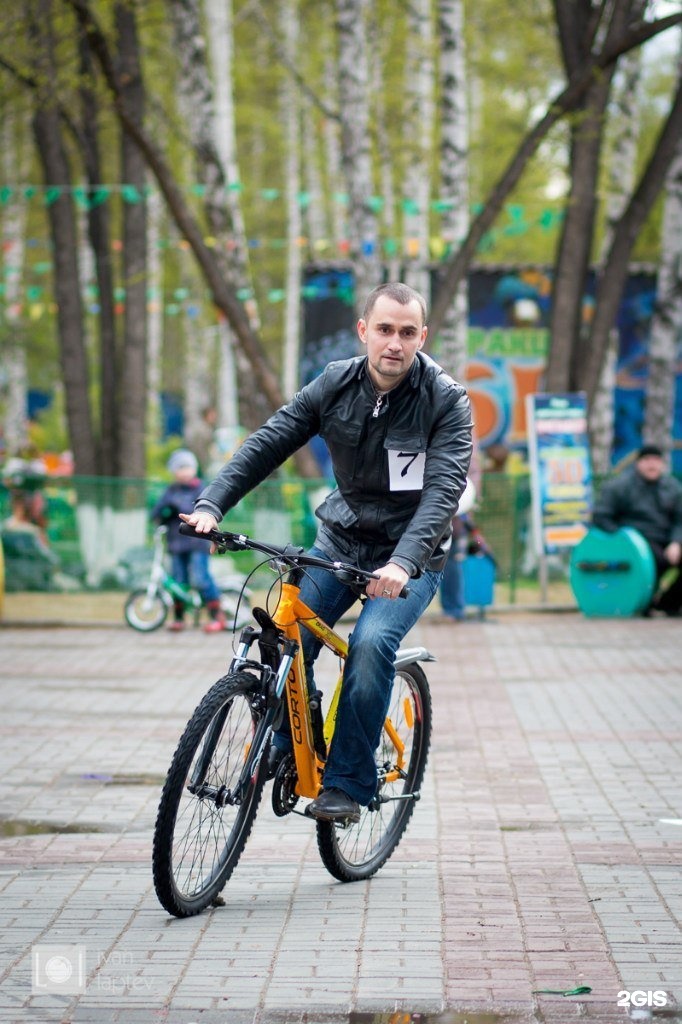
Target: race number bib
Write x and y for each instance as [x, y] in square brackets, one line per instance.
[406, 470]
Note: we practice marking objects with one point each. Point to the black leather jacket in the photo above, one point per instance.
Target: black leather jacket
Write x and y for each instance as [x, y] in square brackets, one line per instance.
[399, 474]
[652, 507]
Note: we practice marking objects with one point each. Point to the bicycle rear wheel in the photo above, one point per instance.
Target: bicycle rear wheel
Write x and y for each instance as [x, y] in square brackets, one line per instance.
[354, 852]
[200, 833]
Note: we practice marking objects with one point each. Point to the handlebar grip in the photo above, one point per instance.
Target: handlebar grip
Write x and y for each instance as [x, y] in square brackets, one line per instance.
[189, 531]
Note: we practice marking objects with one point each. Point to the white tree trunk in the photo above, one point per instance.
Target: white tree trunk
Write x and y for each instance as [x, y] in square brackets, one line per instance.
[155, 220]
[219, 16]
[665, 337]
[292, 131]
[454, 174]
[215, 152]
[221, 126]
[315, 213]
[620, 181]
[332, 148]
[15, 161]
[353, 76]
[386, 170]
[419, 117]
[199, 375]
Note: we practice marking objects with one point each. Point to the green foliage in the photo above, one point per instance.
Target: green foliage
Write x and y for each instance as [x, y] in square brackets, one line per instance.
[514, 69]
[158, 454]
[48, 430]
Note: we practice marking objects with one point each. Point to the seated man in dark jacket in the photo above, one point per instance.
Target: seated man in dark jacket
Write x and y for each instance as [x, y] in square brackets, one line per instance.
[646, 498]
[399, 433]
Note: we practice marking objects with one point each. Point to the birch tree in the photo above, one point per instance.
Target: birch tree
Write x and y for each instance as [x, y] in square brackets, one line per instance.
[14, 164]
[291, 115]
[454, 175]
[155, 222]
[619, 183]
[566, 100]
[419, 117]
[583, 26]
[389, 220]
[47, 130]
[96, 248]
[316, 217]
[133, 388]
[221, 181]
[353, 76]
[331, 131]
[665, 337]
[219, 20]
[612, 281]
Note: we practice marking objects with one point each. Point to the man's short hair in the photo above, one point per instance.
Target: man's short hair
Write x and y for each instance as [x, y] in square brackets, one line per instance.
[650, 449]
[397, 291]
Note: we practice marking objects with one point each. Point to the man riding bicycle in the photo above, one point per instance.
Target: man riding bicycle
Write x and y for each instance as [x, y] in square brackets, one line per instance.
[398, 429]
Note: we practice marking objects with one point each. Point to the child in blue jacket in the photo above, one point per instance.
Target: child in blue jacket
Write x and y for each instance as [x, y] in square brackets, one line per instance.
[189, 556]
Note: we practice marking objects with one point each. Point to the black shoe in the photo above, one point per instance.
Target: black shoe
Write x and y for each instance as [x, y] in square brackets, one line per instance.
[334, 805]
[275, 757]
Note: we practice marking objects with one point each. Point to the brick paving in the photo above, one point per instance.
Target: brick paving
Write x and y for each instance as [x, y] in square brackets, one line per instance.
[544, 854]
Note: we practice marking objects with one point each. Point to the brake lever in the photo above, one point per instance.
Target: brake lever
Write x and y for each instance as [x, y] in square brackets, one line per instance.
[351, 580]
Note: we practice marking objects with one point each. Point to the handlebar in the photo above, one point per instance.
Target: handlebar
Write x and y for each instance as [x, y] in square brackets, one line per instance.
[290, 555]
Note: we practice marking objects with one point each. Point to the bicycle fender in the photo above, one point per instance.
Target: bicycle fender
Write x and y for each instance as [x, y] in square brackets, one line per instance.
[408, 656]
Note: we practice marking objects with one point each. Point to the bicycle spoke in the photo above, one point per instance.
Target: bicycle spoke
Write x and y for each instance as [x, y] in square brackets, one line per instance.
[200, 831]
[358, 850]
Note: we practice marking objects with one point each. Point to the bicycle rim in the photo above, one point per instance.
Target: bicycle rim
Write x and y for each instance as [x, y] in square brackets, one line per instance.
[145, 613]
[354, 852]
[198, 842]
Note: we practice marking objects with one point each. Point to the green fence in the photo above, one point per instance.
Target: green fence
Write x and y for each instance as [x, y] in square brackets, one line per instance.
[95, 523]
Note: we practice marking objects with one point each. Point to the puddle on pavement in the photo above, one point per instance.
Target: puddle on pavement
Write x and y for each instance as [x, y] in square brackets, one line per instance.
[448, 1017]
[530, 826]
[12, 827]
[556, 1013]
[123, 778]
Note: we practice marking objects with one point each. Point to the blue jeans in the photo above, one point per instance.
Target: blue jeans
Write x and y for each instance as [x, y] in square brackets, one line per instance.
[452, 587]
[368, 675]
[191, 569]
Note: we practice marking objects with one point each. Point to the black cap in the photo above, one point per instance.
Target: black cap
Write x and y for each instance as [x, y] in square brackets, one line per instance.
[649, 449]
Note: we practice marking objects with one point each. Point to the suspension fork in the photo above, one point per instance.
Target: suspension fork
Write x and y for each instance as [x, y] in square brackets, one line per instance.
[267, 698]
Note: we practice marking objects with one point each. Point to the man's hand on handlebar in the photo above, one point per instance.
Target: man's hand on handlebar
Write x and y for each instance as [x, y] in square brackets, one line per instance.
[390, 580]
[203, 522]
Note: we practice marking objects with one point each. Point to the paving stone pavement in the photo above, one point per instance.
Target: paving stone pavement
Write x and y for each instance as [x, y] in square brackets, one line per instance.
[544, 854]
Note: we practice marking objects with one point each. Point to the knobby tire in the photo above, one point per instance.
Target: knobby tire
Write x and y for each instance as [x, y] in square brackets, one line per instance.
[197, 843]
[355, 852]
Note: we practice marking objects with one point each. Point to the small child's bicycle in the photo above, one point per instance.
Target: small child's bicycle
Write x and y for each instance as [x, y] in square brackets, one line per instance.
[146, 608]
[216, 778]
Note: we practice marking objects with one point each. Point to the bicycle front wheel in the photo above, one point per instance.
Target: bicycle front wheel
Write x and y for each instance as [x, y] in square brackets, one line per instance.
[201, 828]
[354, 852]
[145, 613]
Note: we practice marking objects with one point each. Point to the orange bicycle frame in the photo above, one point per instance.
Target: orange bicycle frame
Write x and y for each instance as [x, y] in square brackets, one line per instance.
[290, 612]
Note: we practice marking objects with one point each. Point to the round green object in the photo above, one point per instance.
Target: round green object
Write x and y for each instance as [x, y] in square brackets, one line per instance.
[612, 574]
